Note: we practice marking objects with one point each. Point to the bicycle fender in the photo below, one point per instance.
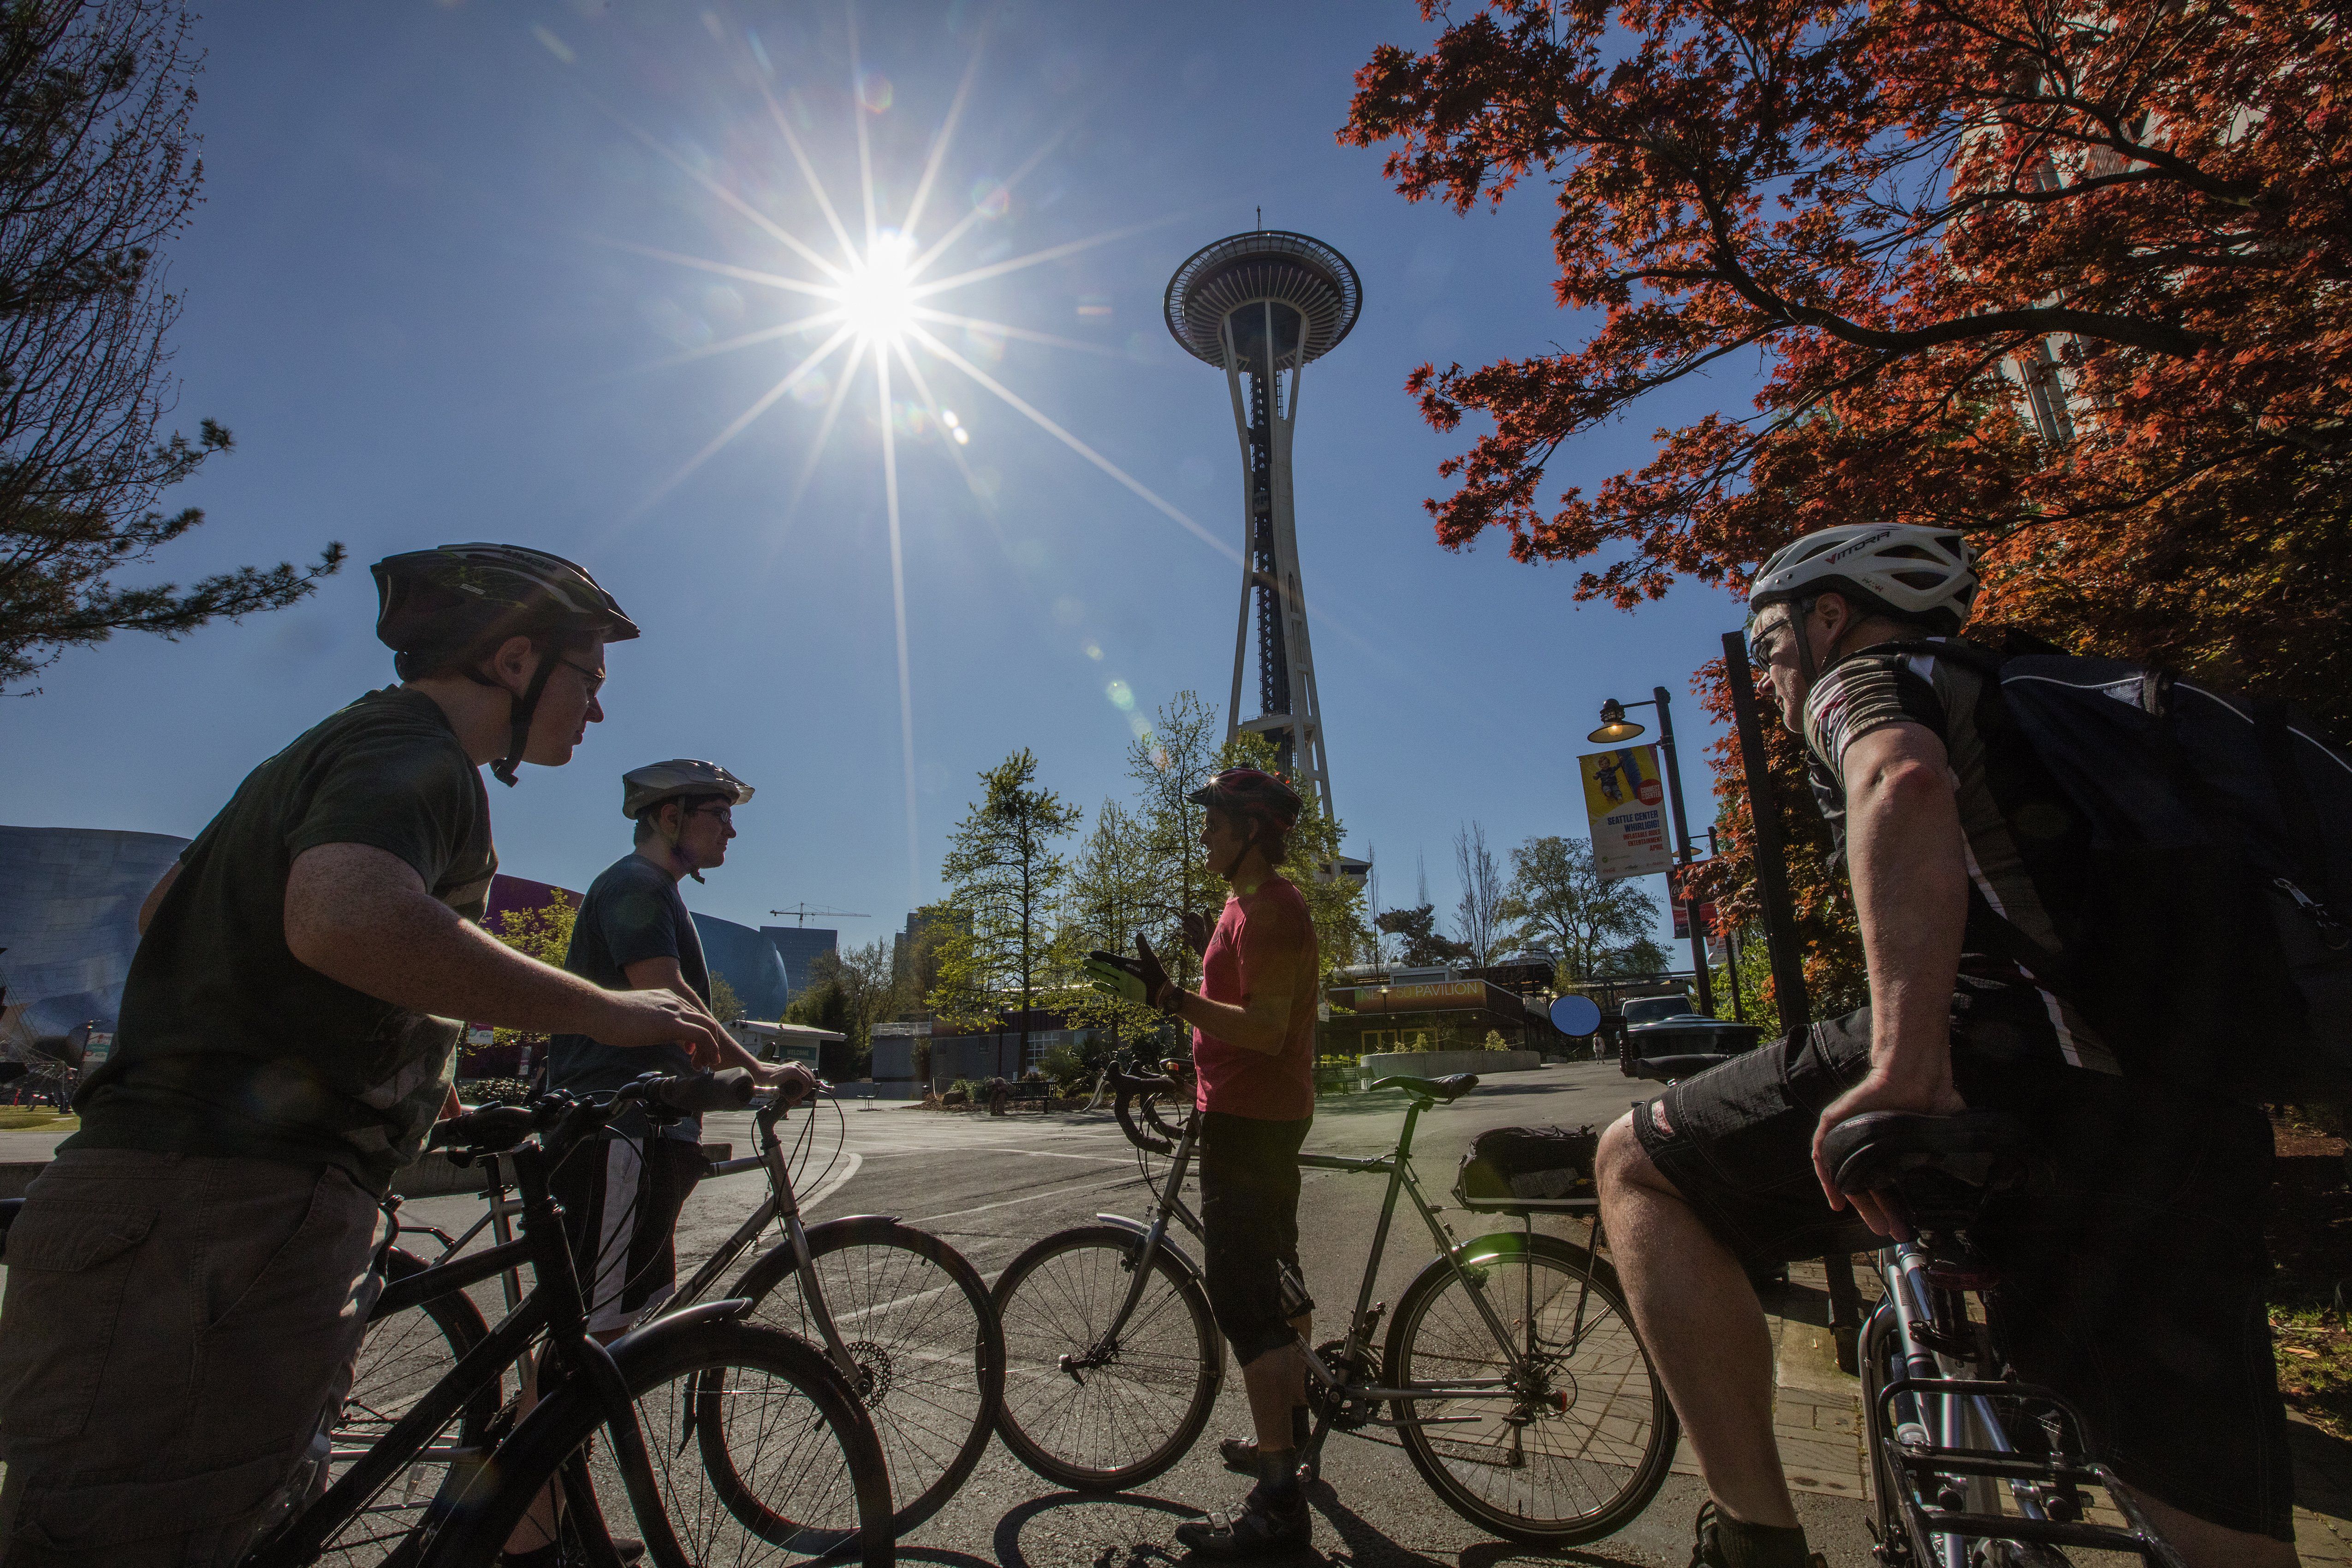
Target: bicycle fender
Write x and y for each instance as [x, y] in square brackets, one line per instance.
[1175, 1254]
[701, 1312]
[845, 1221]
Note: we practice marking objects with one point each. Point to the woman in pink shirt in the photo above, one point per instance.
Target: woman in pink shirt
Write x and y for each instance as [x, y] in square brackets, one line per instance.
[1254, 1044]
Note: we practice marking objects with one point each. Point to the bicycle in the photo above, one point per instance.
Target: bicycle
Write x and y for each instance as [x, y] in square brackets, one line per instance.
[1511, 1374]
[1945, 1432]
[447, 1480]
[927, 1358]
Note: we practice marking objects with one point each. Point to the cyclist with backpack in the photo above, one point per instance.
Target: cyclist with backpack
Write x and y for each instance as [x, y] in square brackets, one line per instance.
[2132, 1279]
[189, 1280]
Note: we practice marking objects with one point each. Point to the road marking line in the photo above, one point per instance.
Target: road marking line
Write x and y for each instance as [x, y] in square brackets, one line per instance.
[1071, 1190]
[833, 1183]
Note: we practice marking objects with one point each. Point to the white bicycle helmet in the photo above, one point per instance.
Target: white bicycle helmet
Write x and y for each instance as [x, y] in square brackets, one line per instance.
[647, 787]
[1897, 568]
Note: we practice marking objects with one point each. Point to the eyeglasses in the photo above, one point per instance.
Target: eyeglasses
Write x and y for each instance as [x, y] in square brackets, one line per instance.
[588, 678]
[724, 813]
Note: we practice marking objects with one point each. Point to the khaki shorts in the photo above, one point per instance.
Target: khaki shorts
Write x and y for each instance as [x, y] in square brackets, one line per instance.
[174, 1326]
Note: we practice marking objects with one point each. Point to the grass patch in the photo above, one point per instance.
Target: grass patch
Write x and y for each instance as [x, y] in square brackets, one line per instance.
[2310, 1237]
[36, 1119]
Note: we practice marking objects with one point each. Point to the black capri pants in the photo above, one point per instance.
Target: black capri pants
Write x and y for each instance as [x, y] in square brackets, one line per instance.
[1249, 1209]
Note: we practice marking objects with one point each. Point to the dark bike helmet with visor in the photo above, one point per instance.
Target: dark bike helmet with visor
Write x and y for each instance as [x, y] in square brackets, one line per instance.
[450, 605]
[1253, 796]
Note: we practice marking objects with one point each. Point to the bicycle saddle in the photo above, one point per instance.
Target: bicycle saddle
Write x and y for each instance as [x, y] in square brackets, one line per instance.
[1665, 1069]
[1879, 1148]
[1450, 1087]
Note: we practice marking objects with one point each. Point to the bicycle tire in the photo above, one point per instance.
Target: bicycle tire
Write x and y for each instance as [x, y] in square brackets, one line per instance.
[401, 1357]
[1051, 1308]
[1601, 1370]
[918, 1320]
[691, 1372]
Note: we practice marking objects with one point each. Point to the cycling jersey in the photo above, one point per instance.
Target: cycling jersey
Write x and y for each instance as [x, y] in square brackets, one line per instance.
[1265, 943]
[1869, 690]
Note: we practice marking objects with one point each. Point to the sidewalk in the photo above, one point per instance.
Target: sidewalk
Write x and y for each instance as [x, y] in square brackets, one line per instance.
[1817, 1417]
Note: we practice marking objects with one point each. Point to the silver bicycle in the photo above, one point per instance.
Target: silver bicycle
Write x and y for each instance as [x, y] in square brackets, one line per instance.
[1969, 1469]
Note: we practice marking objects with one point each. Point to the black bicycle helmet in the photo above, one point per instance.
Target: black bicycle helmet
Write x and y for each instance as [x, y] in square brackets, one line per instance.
[436, 607]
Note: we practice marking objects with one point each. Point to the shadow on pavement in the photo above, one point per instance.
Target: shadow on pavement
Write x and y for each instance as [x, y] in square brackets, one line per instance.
[1137, 1547]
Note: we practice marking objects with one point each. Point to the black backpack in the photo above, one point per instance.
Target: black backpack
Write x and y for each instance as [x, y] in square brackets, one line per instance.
[2195, 848]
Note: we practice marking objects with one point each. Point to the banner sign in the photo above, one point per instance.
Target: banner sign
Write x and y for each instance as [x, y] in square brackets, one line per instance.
[1717, 952]
[1625, 801]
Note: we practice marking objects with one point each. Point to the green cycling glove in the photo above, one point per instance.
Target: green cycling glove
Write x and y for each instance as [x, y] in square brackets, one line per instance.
[1116, 974]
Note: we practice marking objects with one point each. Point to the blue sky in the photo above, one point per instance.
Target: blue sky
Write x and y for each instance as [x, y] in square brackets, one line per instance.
[421, 294]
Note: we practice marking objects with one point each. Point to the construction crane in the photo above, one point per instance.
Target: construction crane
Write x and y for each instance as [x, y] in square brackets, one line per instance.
[801, 912]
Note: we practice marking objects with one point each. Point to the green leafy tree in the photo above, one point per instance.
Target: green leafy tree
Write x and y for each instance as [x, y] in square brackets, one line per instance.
[726, 1005]
[1176, 757]
[98, 169]
[1115, 889]
[1004, 877]
[544, 933]
[850, 990]
[1558, 899]
[1421, 945]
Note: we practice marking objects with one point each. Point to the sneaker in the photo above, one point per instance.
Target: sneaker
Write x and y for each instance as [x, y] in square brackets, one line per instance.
[1266, 1524]
[1722, 1542]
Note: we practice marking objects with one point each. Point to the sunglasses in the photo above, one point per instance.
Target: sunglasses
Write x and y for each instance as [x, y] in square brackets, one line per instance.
[588, 678]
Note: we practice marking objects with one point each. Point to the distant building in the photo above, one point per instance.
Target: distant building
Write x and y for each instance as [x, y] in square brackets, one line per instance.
[798, 947]
[69, 901]
[930, 924]
[749, 962]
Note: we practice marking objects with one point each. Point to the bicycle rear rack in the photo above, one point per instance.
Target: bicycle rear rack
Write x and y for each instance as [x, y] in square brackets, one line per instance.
[2057, 1478]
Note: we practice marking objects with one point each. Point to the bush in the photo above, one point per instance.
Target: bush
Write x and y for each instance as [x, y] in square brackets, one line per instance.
[494, 1091]
[1067, 1069]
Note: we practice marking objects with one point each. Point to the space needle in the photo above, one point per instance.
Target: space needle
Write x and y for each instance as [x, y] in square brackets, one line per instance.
[1259, 305]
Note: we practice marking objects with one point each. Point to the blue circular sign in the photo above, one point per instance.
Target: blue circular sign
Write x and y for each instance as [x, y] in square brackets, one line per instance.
[1575, 1014]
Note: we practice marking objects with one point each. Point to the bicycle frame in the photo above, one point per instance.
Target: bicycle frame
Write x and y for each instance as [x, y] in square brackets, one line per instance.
[781, 1203]
[1944, 1442]
[1397, 1166]
[555, 1305]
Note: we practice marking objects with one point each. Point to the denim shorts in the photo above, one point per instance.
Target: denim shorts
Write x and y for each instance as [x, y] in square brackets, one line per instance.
[2132, 1267]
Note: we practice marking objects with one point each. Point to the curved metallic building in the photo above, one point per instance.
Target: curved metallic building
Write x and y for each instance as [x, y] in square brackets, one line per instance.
[69, 901]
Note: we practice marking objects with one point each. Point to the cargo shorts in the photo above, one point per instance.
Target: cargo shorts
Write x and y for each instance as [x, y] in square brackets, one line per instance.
[174, 1326]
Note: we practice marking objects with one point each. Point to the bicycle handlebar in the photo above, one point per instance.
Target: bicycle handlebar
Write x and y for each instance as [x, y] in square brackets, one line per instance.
[491, 1128]
[729, 1091]
[1140, 1094]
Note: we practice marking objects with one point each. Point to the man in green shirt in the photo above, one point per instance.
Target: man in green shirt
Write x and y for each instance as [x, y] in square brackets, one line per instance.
[188, 1281]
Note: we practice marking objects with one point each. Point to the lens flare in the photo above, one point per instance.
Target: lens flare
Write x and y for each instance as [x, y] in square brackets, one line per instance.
[878, 297]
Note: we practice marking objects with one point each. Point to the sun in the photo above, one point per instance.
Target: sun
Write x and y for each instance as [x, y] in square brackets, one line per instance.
[877, 295]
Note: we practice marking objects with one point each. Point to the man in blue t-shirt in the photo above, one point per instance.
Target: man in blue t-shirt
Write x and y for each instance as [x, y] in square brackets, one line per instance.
[621, 1199]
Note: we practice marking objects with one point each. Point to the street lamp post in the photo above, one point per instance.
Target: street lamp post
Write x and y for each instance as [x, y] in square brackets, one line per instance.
[1615, 726]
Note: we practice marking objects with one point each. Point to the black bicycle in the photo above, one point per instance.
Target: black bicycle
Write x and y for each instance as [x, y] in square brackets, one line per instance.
[1511, 1373]
[722, 1440]
[898, 1312]
[1969, 1468]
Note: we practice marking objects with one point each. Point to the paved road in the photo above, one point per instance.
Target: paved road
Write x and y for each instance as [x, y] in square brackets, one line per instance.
[993, 1185]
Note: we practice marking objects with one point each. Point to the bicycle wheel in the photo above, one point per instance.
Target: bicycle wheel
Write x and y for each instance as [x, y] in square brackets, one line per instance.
[1587, 1440]
[402, 1357]
[1082, 1409]
[806, 1479]
[918, 1320]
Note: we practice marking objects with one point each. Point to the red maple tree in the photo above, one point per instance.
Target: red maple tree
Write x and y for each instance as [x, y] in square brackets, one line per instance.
[2073, 276]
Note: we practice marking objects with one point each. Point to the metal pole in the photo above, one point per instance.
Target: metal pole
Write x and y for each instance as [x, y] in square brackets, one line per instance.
[1682, 838]
[1772, 862]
